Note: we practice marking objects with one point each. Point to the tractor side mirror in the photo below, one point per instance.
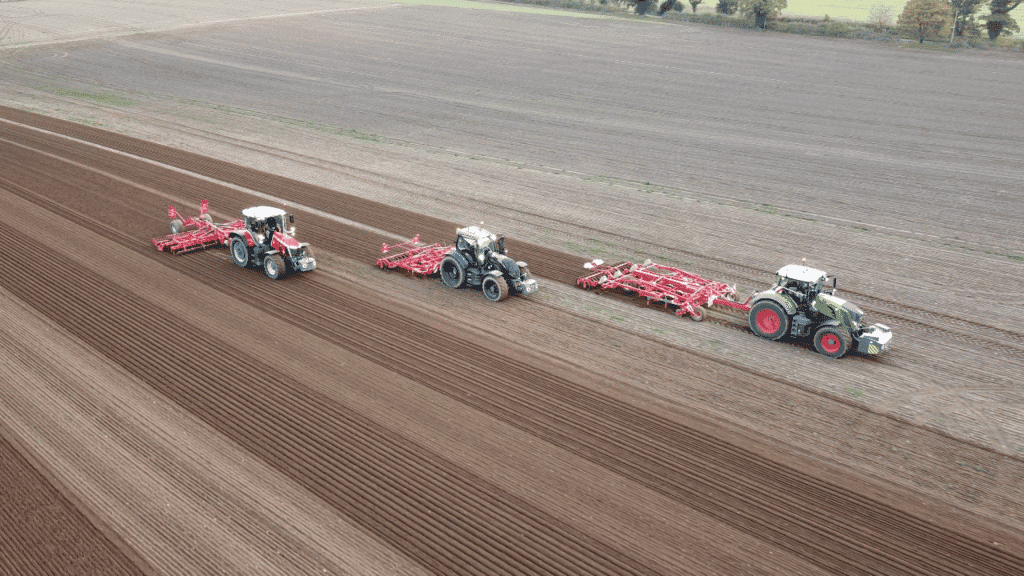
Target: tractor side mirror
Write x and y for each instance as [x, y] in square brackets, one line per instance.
[291, 219]
[501, 244]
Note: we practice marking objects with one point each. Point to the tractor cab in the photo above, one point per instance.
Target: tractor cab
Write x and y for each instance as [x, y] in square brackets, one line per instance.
[263, 221]
[478, 244]
[803, 284]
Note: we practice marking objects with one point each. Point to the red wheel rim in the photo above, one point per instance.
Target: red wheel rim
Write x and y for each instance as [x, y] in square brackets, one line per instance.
[830, 343]
[768, 321]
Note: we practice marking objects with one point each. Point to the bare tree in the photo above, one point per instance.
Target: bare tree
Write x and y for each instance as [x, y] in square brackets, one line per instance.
[882, 14]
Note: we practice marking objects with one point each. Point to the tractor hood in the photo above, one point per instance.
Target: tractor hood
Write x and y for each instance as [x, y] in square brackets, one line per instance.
[847, 313]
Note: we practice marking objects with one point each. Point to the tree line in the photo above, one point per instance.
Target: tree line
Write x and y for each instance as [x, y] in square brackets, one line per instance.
[920, 18]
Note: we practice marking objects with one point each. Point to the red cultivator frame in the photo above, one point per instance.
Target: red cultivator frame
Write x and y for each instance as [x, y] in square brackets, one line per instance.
[205, 235]
[412, 256]
[671, 286]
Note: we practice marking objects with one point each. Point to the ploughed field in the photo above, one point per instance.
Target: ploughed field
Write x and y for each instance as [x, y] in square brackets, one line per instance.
[382, 436]
[179, 415]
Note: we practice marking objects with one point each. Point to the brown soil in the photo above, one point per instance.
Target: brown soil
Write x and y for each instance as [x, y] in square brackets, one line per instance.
[427, 425]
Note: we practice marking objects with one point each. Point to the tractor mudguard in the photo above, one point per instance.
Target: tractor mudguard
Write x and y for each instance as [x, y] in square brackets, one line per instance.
[245, 235]
[462, 260]
[783, 300]
[511, 268]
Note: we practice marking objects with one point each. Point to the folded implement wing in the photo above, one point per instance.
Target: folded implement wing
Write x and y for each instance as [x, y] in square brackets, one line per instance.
[412, 256]
[685, 291]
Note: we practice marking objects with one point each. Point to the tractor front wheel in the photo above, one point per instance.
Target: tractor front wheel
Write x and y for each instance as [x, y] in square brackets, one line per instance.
[453, 275]
[832, 341]
[273, 265]
[240, 252]
[495, 288]
[769, 320]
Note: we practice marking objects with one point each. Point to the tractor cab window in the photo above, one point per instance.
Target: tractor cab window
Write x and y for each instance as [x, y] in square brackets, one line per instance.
[274, 224]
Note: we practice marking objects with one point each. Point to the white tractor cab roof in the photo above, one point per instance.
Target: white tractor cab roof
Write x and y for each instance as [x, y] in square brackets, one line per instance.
[802, 273]
[477, 235]
[262, 212]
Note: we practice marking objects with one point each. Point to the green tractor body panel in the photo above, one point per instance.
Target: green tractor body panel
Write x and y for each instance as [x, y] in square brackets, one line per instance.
[848, 315]
[783, 300]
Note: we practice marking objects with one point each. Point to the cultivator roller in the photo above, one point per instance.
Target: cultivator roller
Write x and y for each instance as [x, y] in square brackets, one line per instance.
[687, 292]
[206, 233]
[415, 257]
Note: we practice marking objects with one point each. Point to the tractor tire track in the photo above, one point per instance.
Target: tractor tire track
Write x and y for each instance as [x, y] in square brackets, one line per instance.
[544, 262]
[681, 464]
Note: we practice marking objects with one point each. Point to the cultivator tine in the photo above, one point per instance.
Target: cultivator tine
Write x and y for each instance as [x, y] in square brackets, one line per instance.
[686, 291]
[412, 256]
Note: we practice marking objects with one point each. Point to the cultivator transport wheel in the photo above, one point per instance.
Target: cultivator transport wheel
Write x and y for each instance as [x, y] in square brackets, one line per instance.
[240, 252]
[698, 314]
[769, 320]
[177, 226]
[495, 288]
[832, 341]
[273, 265]
[452, 273]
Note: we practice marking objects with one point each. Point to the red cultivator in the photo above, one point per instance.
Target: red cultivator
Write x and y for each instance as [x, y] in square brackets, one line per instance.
[205, 235]
[420, 259]
[671, 286]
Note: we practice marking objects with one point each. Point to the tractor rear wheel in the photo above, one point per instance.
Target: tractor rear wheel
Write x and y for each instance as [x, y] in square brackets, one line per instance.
[495, 288]
[453, 275]
[177, 226]
[273, 265]
[769, 320]
[240, 252]
[832, 341]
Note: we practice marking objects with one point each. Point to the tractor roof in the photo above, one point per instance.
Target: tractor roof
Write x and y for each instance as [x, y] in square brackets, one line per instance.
[262, 212]
[801, 273]
[477, 233]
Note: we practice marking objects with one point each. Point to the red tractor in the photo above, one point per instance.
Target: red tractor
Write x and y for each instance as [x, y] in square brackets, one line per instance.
[261, 238]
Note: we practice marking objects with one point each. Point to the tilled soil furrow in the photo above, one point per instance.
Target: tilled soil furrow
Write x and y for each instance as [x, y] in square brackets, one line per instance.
[652, 477]
[138, 328]
[605, 432]
[589, 427]
[42, 533]
[532, 401]
[544, 262]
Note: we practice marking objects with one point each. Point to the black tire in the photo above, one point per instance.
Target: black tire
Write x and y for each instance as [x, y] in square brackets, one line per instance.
[240, 252]
[832, 341]
[273, 266]
[177, 226]
[769, 320]
[495, 288]
[453, 275]
[699, 314]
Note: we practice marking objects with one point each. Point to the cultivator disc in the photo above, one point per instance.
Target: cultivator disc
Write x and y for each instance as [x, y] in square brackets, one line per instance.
[685, 291]
[415, 257]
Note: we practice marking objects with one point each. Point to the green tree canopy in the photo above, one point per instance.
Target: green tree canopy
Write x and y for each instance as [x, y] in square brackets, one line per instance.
[925, 18]
[999, 20]
[761, 10]
[963, 14]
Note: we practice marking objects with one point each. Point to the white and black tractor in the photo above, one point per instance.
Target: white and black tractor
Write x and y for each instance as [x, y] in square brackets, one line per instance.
[479, 259]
